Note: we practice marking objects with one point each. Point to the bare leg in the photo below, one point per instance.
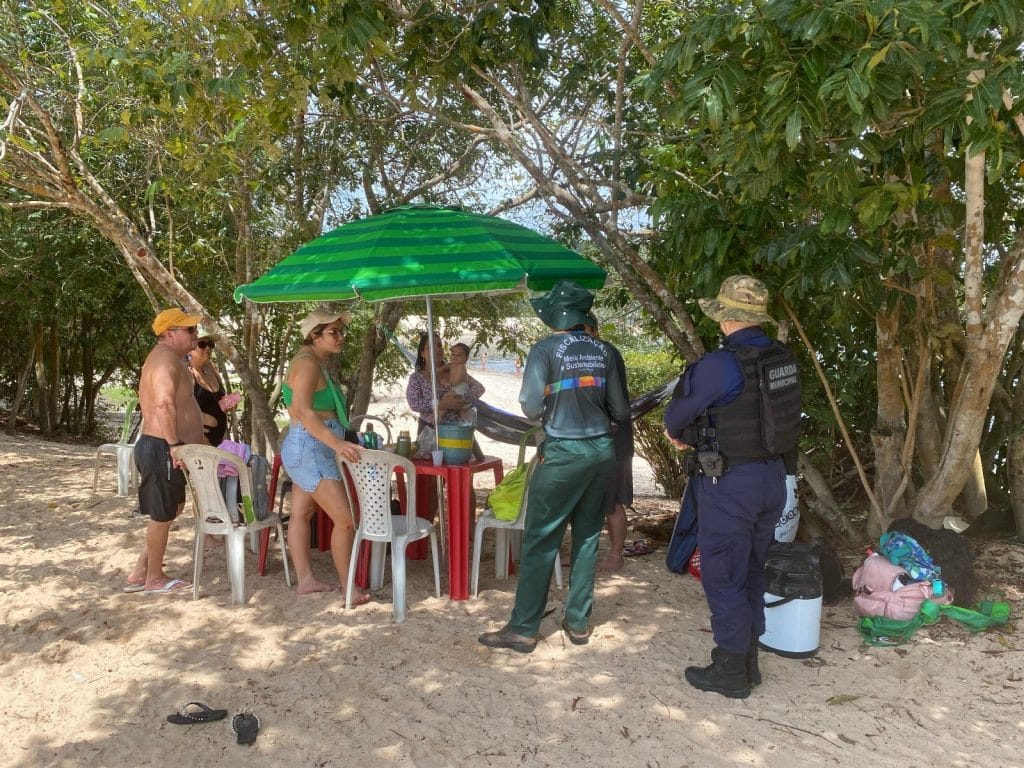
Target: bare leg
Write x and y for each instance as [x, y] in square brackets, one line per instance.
[149, 568]
[613, 560]
[156, 547]
[330, 495]
[150, 564]
[302, 512]
[138, 573]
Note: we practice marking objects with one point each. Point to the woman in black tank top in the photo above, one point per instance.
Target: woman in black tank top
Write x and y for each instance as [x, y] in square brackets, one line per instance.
[208, 391]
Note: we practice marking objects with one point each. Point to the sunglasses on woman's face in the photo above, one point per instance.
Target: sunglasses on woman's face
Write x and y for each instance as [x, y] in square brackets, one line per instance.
[204, 344]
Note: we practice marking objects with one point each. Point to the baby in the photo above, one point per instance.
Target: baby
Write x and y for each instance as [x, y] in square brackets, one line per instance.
[457, 376]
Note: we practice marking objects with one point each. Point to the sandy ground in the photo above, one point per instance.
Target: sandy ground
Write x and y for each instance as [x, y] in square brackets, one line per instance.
[90, 674]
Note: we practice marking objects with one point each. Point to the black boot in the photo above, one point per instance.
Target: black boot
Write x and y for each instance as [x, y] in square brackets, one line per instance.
[727, 675]
[753, 673]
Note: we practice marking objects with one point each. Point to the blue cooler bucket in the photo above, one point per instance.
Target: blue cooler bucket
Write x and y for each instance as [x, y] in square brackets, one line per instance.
[456, 442]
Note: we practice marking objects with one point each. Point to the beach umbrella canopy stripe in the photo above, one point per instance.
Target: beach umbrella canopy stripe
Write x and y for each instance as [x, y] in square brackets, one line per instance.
[421, 251]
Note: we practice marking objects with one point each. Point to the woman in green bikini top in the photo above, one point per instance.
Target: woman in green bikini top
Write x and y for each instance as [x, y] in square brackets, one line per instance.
[325, 401]
[309, 452]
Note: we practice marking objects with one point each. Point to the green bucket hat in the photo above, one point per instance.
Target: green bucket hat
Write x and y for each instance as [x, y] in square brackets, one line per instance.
[741, 298]
[564, 306]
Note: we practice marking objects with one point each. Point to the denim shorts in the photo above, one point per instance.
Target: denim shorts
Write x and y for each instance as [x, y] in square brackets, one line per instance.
[308, 460]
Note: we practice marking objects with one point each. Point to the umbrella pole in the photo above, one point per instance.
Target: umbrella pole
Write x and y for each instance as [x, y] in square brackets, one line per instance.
[441, 522]
[433, 367]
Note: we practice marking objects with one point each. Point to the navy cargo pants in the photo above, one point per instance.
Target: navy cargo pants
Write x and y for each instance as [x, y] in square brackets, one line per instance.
[571, 485]
[736, 519]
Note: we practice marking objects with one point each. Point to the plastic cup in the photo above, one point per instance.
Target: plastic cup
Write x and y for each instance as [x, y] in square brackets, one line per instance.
[437, 457]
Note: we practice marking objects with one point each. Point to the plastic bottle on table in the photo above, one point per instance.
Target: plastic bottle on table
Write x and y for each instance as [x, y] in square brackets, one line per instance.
[404, 445]
[370, 438]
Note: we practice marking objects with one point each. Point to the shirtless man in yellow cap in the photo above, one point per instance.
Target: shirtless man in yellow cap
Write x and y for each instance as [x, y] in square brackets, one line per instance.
[170, 417]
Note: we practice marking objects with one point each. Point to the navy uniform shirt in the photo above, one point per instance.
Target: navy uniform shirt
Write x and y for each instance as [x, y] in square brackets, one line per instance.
[714, 380]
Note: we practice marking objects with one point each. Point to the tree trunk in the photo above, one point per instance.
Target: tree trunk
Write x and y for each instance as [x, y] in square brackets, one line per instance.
[890, 431]
[930, 426]
[53, 367]
[19, 395]
[374, 342]
[968, 410]
[823, 504]
[1015, 463]
[974, 498]
[87, 372]
[39, 369]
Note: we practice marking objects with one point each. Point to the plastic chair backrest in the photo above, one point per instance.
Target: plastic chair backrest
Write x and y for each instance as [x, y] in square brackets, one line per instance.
[537, 435]
[371, 484]
[126, 426]
[201, 463]
[534, 462]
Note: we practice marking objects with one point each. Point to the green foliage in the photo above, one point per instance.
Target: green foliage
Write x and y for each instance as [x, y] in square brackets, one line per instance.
[64, 285]
[821, 147]
[645, 372]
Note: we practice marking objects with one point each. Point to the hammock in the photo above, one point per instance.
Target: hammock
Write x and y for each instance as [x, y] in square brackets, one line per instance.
[505, 427]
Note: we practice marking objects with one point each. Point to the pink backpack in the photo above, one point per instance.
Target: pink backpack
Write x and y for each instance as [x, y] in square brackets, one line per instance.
[873, 593]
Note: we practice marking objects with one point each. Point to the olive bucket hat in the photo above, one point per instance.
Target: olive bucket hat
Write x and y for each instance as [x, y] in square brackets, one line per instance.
[564, 306]
[741, 298]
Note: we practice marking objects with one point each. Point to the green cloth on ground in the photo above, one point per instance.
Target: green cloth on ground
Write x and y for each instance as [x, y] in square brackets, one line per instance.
[878, 630]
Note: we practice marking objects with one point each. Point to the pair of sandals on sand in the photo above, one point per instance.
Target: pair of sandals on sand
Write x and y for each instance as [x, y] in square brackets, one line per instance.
[245, 724]
[637, 547]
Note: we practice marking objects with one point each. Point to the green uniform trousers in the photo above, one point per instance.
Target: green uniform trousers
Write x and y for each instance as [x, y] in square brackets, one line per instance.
[571, 485]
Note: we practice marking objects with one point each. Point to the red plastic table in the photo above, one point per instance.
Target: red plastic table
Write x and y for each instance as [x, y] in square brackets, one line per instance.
[458, 479]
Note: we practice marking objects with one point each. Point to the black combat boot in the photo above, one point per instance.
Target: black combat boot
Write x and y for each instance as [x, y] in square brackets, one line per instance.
[726, 674]
[753, 673]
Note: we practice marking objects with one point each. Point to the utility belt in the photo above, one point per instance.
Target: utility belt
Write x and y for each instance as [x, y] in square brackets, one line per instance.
[714, 464]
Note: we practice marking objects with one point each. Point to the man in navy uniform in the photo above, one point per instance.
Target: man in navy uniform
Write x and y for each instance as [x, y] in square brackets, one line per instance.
[738, 407]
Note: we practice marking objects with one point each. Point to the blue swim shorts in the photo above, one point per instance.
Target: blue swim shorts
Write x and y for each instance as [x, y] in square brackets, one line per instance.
[308, 460]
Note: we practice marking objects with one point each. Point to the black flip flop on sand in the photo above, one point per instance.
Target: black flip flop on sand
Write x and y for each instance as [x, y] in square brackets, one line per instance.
[246, 725]
[196, 712]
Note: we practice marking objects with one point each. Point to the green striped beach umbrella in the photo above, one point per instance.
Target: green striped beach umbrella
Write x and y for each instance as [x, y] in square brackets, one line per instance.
[421, 251]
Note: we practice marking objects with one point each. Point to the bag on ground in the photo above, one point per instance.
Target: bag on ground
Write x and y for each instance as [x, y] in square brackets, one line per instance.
[904, 550]
[684, 535]
[883, 589]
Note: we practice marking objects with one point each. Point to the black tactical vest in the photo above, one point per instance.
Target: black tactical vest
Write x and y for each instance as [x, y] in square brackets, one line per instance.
[764, 421]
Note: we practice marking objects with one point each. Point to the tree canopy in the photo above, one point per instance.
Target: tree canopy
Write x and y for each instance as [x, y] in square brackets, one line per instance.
[863, 157]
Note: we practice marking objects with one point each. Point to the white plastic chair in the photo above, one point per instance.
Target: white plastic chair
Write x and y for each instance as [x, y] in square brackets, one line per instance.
[501, 538]
[371, 488]
[216, 517]
[124, 454]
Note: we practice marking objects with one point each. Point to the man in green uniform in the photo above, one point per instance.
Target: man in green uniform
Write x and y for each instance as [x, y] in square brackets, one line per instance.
[573, 387]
